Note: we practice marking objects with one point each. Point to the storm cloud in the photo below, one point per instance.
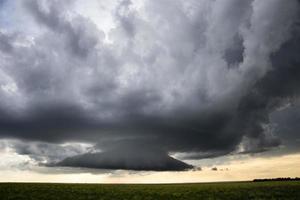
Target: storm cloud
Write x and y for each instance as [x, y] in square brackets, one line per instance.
[129, 160]
[200, 78]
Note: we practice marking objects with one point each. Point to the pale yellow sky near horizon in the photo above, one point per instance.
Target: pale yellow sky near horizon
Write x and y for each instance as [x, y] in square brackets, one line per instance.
[238, 170]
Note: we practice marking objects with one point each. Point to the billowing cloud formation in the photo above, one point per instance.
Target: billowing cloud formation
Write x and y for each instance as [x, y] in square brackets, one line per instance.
[193, 77]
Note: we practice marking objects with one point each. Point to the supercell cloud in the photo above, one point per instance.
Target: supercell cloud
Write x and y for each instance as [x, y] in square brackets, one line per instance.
[199, 78]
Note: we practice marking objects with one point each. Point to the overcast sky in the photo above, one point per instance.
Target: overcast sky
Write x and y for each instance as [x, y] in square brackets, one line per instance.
[146, 86]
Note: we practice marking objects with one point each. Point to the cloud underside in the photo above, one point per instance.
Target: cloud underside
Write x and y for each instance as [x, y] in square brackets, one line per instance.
[132, 161]
[200, 79]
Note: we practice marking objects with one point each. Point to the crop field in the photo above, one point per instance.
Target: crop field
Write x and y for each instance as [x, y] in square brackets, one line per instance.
[238, 190]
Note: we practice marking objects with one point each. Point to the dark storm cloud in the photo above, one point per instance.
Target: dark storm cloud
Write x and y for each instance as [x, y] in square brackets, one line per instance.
[278, 88]
[181, 77]
[128, 160]
[286, 124]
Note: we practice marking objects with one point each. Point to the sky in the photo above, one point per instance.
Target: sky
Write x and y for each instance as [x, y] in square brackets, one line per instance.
[149, 91]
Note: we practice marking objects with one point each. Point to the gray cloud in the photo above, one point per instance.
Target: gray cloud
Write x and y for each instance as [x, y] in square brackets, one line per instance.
[81, 35]
[46, 152]
[5, 42]
[129, 160]
[2, 2]
[183, 77]
[286, 122]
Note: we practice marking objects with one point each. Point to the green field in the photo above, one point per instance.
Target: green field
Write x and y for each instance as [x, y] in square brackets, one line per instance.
[239, 190]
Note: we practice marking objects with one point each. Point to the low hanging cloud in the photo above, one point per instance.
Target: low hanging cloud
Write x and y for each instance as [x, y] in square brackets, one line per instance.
[129, 160]
[199, 78]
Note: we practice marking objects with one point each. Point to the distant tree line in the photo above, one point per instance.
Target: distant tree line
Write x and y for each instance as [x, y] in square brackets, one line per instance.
[277, 179]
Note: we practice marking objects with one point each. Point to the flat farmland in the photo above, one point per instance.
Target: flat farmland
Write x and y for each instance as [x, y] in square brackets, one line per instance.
[233, 190]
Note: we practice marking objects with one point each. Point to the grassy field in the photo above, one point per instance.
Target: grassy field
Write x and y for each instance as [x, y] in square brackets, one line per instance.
[244, 190]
